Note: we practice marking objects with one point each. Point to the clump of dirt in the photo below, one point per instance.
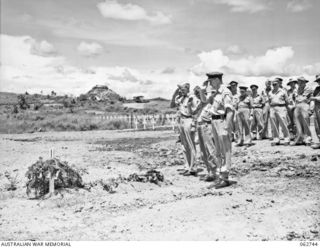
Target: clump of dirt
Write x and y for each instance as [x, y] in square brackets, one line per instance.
[39, 175]
[152, 176]
[110, 185]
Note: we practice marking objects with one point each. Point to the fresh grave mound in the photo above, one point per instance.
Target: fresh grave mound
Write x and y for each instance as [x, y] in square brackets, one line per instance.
[39, 175]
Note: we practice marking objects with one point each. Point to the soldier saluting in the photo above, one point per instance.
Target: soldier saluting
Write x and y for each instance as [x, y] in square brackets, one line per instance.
[186, 104]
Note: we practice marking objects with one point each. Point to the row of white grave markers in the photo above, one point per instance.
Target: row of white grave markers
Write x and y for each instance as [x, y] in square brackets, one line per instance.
[145, 120]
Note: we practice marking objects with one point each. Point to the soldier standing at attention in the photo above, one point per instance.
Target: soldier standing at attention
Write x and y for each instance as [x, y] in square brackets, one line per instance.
[301, 113]
[257, 114]
[292, 92]
[222, 114]
[233, 87]
[244, 108]
[266, 110]
[315, 106]
[185, 103]
[278, 100]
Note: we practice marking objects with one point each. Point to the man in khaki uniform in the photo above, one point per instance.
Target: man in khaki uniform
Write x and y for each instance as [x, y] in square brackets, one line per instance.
[233, 87]
[315, 106]
[205, 134]
[222, 114]
[266, 110]
[186, 104]
[244, 108]
[278, 100]
[292, 93]
[257, 114]
[301, 113]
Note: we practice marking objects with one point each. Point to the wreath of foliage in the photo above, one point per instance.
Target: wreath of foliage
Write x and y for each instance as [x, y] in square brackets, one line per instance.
[40, 172]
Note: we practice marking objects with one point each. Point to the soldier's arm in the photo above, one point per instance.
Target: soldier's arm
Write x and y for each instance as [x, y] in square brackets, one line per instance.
[189, 105]
[286, 99]
[263, 101]
[250, 105]
[311, 108]
[197, 108]
[229, 110]
[203, 97]
[192, 102]
[173, 103]
[315, 98]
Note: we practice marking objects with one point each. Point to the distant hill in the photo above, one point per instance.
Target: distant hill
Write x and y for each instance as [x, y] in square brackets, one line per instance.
[103, 93]
[99, 97]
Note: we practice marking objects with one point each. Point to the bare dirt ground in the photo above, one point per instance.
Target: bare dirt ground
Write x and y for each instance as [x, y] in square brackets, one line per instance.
[276, 196]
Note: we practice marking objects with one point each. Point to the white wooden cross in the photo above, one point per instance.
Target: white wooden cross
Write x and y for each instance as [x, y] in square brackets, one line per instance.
[136, 122]
[173, 122]
[153, 122]
[144, 122]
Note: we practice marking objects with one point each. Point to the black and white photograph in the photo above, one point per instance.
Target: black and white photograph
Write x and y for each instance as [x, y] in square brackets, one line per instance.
[159, 120]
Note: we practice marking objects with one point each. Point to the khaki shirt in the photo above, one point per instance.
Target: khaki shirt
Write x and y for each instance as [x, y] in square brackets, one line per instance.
[222, 101]
[303, 95]
[245, 102]
[182, 103]
[279, 97]
[257, 101]
[205, 114]
[292, 94]
[235, 100]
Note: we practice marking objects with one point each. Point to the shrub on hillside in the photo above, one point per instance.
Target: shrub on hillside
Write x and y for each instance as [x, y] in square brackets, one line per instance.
[22, 102]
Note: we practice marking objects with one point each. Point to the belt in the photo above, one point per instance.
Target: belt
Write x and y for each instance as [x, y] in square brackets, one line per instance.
[257, 107]
[218, 117]
[277, 105]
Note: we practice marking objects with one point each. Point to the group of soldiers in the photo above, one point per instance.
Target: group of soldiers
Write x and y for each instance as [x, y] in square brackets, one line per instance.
[219, 114]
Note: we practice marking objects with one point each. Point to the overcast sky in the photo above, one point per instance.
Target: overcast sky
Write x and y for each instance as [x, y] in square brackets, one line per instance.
[148, 47]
